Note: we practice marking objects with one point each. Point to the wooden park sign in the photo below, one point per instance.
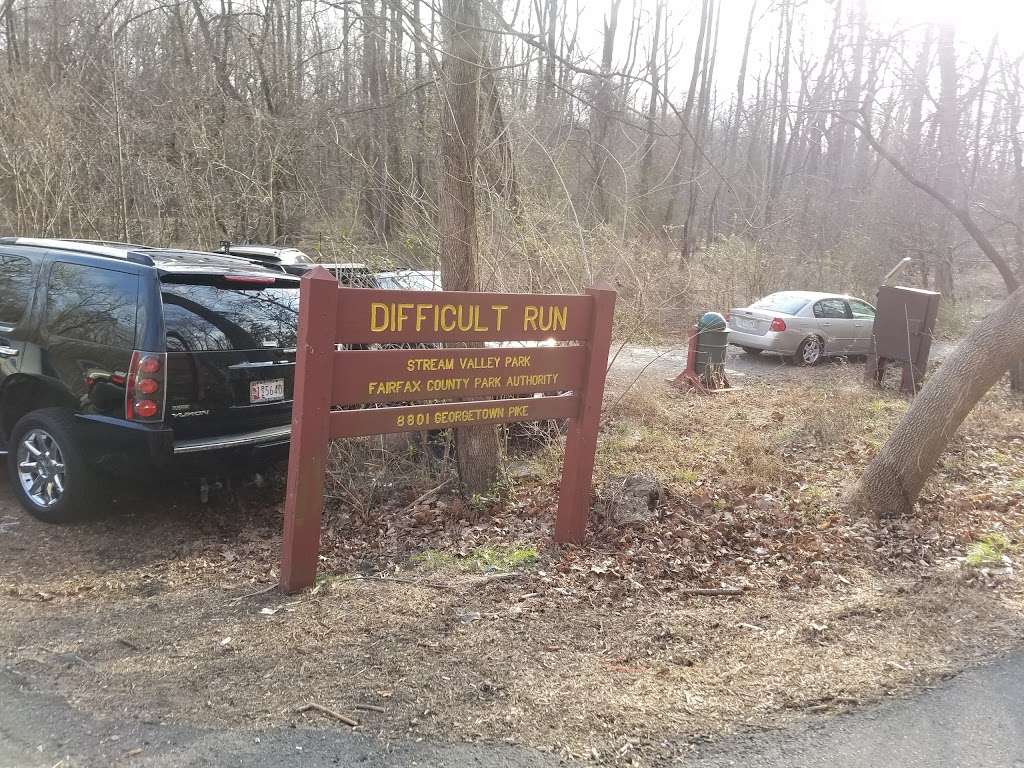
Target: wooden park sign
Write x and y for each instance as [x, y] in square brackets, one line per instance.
[491, 385]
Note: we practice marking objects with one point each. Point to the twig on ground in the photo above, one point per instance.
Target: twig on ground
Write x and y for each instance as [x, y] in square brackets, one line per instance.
[129, 644]
[482, 581]
[252, 594]
[329, 712]
[425, 496]
[713, 592]
[493, 577]
[371, 708]
[399, 580]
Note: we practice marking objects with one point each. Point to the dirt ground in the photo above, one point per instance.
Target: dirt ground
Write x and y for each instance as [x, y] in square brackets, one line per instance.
[460, 621]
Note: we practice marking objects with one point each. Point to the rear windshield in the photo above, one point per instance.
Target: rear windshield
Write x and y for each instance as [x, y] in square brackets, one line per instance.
[786, 303]
[209, 318]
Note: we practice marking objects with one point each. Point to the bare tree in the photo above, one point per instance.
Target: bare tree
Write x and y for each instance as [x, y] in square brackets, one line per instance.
[893, 480]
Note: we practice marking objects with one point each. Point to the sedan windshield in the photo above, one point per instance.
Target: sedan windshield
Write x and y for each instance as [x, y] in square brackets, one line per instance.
[410, 281]
[786, 303]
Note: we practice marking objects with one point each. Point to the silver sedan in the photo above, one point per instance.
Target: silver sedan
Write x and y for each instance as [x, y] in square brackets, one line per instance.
[803, 326]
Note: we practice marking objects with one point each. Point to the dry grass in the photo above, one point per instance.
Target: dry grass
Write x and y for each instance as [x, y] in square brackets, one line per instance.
[593, 651]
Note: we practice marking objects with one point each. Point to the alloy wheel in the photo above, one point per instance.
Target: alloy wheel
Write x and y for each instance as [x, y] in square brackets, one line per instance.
[811, 350]
[41, 467]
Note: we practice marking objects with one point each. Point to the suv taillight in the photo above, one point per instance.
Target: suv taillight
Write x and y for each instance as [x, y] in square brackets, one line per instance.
[144, 392]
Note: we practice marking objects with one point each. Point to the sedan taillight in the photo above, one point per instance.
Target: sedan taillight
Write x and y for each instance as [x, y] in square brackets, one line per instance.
[144, 393]
[778, 325]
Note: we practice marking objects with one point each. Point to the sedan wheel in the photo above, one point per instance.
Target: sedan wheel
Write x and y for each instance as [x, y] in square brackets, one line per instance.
[811, 351]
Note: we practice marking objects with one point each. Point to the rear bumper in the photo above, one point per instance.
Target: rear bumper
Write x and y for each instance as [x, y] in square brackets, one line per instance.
[113, 443]
[784, 342]
[118, 445]
[269, 436]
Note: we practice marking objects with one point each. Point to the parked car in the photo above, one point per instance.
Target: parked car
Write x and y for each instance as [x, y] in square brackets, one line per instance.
[803, 326]
[126, 359]
[290, 260]
[409, 280]
[352, 274]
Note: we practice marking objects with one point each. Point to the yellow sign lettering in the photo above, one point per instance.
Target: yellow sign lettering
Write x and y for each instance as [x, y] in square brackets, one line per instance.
[498, 310]
[378, 317]
[446, 325]
[530, 318]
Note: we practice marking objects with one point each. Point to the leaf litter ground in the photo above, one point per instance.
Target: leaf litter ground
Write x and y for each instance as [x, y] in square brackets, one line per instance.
[450, 620]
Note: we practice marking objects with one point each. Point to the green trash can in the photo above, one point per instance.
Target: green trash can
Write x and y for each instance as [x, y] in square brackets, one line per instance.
[712, 343]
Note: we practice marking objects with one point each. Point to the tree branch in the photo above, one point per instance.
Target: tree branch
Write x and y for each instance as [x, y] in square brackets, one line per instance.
[962, 213]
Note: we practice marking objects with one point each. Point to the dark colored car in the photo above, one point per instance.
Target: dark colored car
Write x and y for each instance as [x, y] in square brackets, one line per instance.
[123, 358]
[290, 260]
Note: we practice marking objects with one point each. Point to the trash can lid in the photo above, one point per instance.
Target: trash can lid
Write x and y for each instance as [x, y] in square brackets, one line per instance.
[712, 321]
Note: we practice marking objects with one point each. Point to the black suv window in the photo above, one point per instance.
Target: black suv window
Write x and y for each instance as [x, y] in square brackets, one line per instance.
[831, 308]
[15, 287]
[91, 304]
[208, 318]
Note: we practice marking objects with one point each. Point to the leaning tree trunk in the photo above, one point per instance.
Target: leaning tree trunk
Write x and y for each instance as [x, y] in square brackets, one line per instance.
[477, 448]
[890, 485]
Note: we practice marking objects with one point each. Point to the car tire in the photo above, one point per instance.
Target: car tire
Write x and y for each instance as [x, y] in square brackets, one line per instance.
[752, 351]
[811, 351]
[62, 490]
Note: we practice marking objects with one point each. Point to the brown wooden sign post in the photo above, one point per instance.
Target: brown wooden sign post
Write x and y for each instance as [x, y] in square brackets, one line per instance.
[551, 383]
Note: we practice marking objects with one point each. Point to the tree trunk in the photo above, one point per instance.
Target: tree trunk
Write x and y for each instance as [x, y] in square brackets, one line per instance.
[948, 181]
[676, 183]
[915, 95]
[689, 234]
[477, 448]
[601, 114]
[741, 81]
[647, 162]
[418, 169]
[1013, 91]
[890, 485]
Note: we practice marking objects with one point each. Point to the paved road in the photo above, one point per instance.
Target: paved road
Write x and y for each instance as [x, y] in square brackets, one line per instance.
[41, 731]
[666, 361]
[975, 720]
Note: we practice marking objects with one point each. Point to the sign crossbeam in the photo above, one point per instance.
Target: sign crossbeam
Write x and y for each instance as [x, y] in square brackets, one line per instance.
[405, 375]
[490, 383]
[405, 317]
[405, 418]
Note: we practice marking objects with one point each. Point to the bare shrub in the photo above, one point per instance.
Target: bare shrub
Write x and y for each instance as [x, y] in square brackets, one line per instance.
[366, 473]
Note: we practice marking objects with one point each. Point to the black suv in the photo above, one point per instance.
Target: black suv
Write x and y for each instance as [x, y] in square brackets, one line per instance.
[121, 358]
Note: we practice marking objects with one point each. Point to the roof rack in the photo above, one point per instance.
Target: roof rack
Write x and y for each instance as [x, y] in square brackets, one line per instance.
[80, 246]
[126, 251]
[111, 243]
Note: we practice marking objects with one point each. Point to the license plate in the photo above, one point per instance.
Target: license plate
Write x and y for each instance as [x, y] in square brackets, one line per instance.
[266, 391]
[741, 323]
